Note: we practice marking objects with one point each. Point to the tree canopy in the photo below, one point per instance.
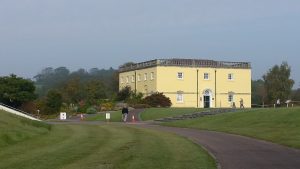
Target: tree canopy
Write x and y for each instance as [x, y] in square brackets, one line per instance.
[277, 82]
[15, 91]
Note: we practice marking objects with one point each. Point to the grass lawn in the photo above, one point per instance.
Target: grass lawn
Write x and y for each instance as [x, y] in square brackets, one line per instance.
[156, 113]
[114, 117]
[109, 146]
[280, 125]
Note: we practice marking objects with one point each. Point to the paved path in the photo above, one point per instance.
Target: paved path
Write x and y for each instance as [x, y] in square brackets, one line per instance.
[136, 114]
[237, 152]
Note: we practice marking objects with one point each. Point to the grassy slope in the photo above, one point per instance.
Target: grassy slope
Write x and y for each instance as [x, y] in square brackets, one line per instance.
[156, 113]
[14, 129]
[280, 126]
[99, 146]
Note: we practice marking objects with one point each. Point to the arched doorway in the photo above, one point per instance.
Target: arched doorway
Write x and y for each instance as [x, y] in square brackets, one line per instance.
[207, 98]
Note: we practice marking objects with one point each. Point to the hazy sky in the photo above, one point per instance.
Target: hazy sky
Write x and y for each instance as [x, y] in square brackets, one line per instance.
[35, 34]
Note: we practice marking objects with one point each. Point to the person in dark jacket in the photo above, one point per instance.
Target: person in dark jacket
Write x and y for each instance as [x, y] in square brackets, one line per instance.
[124, 113]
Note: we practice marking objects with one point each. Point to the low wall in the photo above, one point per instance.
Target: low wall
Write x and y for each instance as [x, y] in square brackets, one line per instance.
[10, 110]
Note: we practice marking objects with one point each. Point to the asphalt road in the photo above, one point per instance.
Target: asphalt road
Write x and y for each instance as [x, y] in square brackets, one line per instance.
[234, 151]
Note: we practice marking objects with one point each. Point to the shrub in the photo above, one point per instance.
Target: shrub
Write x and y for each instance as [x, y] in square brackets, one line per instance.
[157, 100]
[91, 110]
[135, 98]
[141, 106]
[107, 106]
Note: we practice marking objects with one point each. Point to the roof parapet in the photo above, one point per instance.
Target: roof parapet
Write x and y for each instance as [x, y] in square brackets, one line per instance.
[185, 63]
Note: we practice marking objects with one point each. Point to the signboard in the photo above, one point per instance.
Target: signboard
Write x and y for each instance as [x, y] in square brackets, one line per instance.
[107, 115]
[63, 116]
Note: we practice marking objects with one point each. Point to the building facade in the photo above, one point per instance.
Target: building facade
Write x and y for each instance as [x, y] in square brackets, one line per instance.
[191, 82]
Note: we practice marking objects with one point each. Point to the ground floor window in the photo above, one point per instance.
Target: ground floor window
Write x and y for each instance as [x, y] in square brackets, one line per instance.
[230, 98]
[179, 97]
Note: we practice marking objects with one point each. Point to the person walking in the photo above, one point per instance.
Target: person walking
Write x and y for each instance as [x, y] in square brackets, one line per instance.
[278, 103]
[242, 103]
[124, 113]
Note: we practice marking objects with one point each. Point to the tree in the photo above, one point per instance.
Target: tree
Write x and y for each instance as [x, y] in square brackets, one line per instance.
[72, 91]
[277, 82]
[124, 94]
[53, 102]
[258, 92]
[15, 91]
[157, 100]
[296, 95]
[95, 90]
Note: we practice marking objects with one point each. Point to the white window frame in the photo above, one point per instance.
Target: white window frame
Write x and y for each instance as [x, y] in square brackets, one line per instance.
[139, 77]
[127, 79]
[151, 75]
[122, 81]
[179, 98]
[230, 76]
[132, 78]
[178, 75]
[145, 76]
[204, 77]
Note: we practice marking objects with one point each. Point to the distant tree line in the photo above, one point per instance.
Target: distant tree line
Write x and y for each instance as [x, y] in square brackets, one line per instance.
[78, 90]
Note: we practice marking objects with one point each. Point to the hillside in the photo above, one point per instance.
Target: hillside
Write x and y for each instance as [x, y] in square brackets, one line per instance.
[15, 129]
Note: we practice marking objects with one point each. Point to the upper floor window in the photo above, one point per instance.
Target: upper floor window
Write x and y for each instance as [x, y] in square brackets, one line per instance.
[132, 79]
[152, 76]
[122, 81]
[145, 76]
[139, 77]
[230, 76]
[127, 79]
[206, 76]
[179, 75]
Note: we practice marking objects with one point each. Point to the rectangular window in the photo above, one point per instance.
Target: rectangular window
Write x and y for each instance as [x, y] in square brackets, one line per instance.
[206, 76]
[230, 76]
[179, 97]
[145, 76]
[230, 98]
[132, 79]
[179, 75]
[122, 80]
[139, 77]
[152, 76]
[127, 79]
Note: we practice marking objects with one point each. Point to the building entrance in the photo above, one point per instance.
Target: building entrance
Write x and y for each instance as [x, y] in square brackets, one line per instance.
[206, 101]
[207, 98]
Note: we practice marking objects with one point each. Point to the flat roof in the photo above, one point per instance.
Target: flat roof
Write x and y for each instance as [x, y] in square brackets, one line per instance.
[185, 63]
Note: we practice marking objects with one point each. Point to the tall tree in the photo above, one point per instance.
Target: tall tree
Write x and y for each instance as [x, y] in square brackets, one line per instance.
[258, 92]
[95, 90]
[15, 91]
[277, 82]
[53, 102]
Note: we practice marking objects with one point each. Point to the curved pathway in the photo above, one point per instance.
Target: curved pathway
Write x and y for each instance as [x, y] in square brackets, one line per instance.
[234, 151]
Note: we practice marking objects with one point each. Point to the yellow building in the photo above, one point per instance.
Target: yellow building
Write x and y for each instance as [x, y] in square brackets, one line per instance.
[191, 82]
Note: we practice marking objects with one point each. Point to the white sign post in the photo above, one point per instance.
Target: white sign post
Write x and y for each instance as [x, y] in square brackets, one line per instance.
[63, 116]
[107, 116]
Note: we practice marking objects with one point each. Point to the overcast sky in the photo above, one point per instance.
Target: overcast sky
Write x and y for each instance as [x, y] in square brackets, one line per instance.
[35, 34]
